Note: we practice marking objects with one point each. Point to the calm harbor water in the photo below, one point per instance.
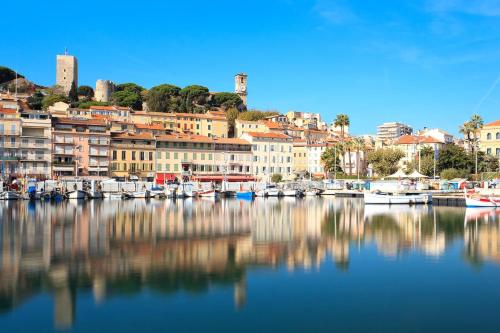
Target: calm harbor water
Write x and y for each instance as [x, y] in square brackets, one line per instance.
[268, 265]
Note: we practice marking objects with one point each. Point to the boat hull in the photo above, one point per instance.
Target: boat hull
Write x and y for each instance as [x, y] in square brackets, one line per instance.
[390, 199]
[76, 195]
[245, 194]
[208, 194]
[9, 195]
[482, 202]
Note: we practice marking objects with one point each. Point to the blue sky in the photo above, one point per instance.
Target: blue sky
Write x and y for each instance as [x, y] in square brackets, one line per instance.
[427, 63]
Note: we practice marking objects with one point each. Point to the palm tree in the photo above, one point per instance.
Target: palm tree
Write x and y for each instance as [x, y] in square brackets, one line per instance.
[342, 120]
[349, 146]
[359, 145]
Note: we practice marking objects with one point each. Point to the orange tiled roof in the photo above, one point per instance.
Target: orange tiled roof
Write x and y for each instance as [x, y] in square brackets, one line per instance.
[493, 124]
[133, 136]
[151, 127]
[10, 111]
[268, 135]
[413, 139]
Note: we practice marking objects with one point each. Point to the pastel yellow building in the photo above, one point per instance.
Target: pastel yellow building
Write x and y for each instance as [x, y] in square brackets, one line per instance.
[211, 124]
[200, 158]
[299, 156]
[133, 156]
[490, 139]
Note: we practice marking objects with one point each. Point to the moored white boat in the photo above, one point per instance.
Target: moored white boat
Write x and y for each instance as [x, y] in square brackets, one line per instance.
[77, 194]
[10, 195]
[312, 192]
[273, 192]
[208, 194]
[114, 196]
[482, 201]
[290, 192]
[140, 194]
[396, 199]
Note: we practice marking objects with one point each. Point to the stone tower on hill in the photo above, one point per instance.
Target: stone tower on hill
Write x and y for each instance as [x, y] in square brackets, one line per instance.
[66, 71]
[240, 86]
[103, 90]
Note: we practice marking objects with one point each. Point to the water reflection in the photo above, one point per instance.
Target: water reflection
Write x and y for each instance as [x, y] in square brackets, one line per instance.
[122, 247]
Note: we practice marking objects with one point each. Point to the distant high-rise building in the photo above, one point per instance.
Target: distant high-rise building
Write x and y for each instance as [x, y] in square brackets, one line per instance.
[66, 71]
[240, 86]
[103, 90]
[392, 131]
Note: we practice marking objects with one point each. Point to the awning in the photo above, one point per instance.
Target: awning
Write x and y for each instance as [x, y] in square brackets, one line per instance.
[162, 178]
[220, 178]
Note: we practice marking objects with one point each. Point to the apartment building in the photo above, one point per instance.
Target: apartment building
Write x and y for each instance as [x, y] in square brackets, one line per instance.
[391, 131]
[35, 144]
[10, 131]
[272, 154]
[104, 112]
[201, 158]
[490, 138]
[412, 144]
[80, 147]
[242, 126]
[133, 156]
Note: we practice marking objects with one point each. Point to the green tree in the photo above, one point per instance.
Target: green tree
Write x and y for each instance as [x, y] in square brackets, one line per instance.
[231, 116]
[164, 98]
[385, 161]
[452, 173]
[50, 100]
[254, 115]
[192, 96]
[470, 130]
[452, 156]
[73, 94]
[276, 178]
[88, 104]
[86, 91]
[227, 100]
[35, 100]
[127, 98]
[331, 159]
[129, 86]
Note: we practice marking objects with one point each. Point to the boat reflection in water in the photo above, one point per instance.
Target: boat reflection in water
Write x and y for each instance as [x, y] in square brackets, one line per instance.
[126, 247]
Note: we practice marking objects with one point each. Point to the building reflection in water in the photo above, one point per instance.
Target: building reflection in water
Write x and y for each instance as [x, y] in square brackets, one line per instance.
[117, 247]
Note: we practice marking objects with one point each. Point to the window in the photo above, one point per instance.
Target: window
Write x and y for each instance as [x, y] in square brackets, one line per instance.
[133, 156]
[114, 155]
[158, 154]
[498, 152]
[210, 156]
[497, 136]
[159, 167]
[167, 155]
[150, 155]
[141, 156]
[488, 151]
[176, 155]
[202, 157]
[123, 155]
[167, 167]
[488, 136]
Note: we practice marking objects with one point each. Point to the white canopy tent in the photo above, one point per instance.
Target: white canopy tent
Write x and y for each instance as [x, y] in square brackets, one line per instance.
[416, 174]
[398, 174]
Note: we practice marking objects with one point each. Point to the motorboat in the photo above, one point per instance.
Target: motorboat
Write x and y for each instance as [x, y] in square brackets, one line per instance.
[312, 192]
[261, 193]
[245, 194]
[481, 200]
[140, 194]
[208, 194]
[390, 198]
[273, 192]
[114, 196]
[95, 191]
[290, 192]
[332, 186]
[10, 195]
[76, 194]
[158, 192]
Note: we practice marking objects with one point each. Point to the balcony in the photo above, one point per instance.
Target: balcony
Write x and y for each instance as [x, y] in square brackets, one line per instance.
[68, 152]
[12, 145]
[34, 145]
[10, 133]
[35, 157]
[98, 142]
[98, 153]
[63, 166]
[63, 140]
